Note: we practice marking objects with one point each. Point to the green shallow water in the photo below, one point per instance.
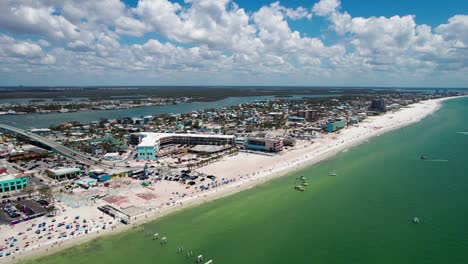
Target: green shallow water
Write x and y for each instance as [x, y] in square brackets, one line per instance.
[361, 216]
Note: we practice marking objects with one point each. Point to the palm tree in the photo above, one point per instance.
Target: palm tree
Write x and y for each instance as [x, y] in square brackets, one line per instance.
[46, 193]
[29, 190]
[51, 210]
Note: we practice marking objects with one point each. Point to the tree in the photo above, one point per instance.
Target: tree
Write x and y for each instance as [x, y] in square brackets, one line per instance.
[46, 193]
[29, 190]
[51, 210]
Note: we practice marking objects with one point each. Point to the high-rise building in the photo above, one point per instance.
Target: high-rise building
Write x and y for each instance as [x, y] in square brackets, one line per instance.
[264, 144]
[308, 115]
[378, 105]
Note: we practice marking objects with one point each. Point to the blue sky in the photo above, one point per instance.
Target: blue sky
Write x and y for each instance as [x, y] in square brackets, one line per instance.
[431, 12]
[226, 42]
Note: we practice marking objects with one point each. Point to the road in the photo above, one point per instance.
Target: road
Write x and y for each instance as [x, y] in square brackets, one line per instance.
[68, 152]
[59, 148]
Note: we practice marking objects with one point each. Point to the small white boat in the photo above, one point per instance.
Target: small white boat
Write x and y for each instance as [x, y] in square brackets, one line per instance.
[416, 220]
[331, 173]
[299, 188]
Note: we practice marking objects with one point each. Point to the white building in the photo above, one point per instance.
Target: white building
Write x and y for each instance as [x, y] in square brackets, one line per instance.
[151, 143]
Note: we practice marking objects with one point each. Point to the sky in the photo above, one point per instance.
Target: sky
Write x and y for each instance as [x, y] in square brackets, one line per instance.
[396, 43]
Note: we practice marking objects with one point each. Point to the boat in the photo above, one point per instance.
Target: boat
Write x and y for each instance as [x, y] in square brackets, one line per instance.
[331, 173]
[305, 184]
[416, 220]
[423, 157]
[299, 188]
[303, 178]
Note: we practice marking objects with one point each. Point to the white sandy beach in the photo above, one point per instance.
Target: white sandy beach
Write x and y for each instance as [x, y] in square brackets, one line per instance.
[244, 170]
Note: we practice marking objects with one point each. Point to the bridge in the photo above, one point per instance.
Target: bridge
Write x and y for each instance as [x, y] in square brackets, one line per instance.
[54, 146]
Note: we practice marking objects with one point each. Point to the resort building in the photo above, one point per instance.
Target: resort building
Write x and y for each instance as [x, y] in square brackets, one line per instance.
[296, 119]
[378, 105]
[63, 173]
[334, 125]
[264, 144]
[151, 143]
[309, 115]
[10, 183]
[240, 140]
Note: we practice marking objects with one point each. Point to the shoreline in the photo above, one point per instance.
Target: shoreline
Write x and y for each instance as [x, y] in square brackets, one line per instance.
[349, 137]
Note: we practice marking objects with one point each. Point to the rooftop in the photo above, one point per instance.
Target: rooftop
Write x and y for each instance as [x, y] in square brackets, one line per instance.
[207, 148]
[61, 171]
[149, 138]
[8, 177]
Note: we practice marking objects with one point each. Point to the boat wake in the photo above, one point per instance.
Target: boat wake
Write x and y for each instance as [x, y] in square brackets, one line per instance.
[439, 160]
[463, 133]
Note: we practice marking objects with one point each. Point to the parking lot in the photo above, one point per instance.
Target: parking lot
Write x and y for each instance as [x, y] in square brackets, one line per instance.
[17, 209]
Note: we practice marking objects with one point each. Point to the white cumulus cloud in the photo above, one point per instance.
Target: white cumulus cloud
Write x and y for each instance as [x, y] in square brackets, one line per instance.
[214, 40]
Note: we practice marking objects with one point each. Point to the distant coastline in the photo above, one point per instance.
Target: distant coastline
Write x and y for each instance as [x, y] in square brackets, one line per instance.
[198, 93]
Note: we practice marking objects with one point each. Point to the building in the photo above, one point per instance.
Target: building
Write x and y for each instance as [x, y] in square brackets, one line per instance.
[378, 105]
[289, 141]
[86, 183]
[3, 151]
[106, 144]
[63, 173]
[209, 149]
[10, 183]
[25, 155]
[335, 125]
[112, 156]
[296, 119]
[354, 120]
[264, 144]
[151, 143]
[308, 115]
[240, 141]
[137, 121]
[41, 131]
[276, 115]
[147, 119]
[99, 175]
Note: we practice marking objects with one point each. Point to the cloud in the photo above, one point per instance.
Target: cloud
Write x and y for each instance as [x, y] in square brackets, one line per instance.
[9, 47]
[35, 19]
[22, 55]
[104, 11]
[219, 39]
[398, 43]
[455, 31]
[326, 7]
[126, 25]
[291, 13]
